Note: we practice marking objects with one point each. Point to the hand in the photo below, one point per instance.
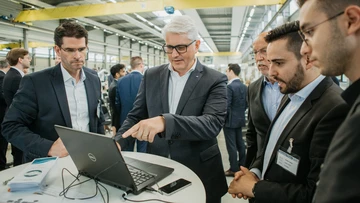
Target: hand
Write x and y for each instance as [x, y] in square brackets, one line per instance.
[118, 146]
[113, 129]
[242, 187]
[146, 130]
[58, 149]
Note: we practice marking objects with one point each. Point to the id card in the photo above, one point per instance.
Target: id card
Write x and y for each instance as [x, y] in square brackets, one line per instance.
[289, 162]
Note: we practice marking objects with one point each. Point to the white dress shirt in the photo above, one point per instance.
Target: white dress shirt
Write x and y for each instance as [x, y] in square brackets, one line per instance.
[77, 100]
[176, 86]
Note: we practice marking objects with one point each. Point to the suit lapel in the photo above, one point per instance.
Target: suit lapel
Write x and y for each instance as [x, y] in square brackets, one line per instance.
[189, 87]
[259, 98]
[164, 81]
[91, 99]
[59, 88]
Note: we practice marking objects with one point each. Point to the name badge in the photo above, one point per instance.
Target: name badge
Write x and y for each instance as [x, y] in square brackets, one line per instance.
[288, 161]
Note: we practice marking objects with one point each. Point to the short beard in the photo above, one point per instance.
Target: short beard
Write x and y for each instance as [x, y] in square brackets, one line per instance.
[294, 83]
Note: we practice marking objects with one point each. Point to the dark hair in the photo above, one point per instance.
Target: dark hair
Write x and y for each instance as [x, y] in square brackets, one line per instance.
[116, 68]
[14, 54]
[135, 61]
[330, 7]
[69, 29]
[3, 64]
[235, 68]
[287, 31]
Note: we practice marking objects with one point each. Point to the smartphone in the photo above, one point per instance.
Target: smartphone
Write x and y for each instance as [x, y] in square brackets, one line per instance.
[175, 186]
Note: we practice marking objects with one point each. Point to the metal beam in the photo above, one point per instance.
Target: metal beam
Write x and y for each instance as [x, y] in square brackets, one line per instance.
[88, 10]
[219, 54]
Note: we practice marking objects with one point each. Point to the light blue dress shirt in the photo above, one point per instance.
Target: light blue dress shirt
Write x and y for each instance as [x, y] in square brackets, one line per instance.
[296, 100]
[77, 100]
[271, 98]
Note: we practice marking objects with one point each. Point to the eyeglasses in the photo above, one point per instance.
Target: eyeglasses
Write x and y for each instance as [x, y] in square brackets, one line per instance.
[261, 52]
[181, 48]
[306, 34]
[72, 50]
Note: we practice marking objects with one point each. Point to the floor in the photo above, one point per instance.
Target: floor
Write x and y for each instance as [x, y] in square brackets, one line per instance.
[227, 198]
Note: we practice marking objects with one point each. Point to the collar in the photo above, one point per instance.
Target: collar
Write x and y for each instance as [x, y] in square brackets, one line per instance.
[305, 91]
[189, 71]
[67, 76]
[132, 71]
[232, 80]
[20, 71]
[352, 93]
[3, 71]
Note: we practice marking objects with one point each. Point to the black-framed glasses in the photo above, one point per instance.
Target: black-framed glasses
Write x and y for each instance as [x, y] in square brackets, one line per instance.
[261, 52]
[305, 34]
[73, 50]
[181, 48]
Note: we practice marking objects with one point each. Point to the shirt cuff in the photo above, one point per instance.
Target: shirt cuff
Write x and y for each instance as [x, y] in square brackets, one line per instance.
[257, 172]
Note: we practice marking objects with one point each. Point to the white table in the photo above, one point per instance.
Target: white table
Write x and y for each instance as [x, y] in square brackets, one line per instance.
[194, 193]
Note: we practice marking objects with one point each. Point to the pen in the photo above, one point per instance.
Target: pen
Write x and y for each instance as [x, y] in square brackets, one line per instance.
[6, 181]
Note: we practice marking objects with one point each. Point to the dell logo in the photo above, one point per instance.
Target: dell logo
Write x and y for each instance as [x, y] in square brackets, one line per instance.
[92, 157]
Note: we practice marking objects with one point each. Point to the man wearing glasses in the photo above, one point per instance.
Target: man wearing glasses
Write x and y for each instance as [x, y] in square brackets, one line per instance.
[264, 98]
[180, 109]
[67, 94]
[331, 34]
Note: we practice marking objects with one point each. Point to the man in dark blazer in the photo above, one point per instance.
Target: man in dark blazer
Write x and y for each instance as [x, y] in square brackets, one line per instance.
[117, 71]
[264, 98]
[335, 47]
[235, 119]
[19, 60]
[72, 99]
[181, 107]
[302, 130]
[127, 89]
[4, 67]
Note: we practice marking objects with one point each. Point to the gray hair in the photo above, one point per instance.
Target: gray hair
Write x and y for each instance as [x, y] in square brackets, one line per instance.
[181, 25]
[3, 64]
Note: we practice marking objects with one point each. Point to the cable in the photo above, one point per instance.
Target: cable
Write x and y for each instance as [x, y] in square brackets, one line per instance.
[145, 200]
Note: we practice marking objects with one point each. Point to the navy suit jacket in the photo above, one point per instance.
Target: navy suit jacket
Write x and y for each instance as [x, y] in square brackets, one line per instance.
[236, 104]
[2, 99]
[41, 103]
[190, 134]
[127, 89]
[11, 85]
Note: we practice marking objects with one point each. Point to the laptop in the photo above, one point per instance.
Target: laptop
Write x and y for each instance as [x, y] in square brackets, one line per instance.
[98, 157]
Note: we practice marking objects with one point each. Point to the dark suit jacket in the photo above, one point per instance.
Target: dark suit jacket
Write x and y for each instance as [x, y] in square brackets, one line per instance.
[259, 121]
[11, 85]
[340, 178]
[312, 127]
[236, 104]
[190, 134]
[2, 99]
[127, 89]
[41, 103]
[115, 115]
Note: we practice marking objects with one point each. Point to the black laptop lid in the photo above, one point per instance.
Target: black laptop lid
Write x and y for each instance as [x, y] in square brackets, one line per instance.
[97, 156]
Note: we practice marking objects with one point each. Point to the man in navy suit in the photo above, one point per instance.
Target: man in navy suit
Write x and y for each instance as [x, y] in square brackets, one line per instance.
[127, 89]
[235, 119]
[72, 99]
[4, 67]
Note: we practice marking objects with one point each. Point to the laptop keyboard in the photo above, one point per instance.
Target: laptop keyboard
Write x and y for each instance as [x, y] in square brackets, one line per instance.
[139, 176]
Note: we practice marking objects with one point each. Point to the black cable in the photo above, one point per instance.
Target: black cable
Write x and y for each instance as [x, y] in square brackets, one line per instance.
[145, 200]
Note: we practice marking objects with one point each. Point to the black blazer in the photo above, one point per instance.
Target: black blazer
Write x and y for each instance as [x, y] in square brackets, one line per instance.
[190, 134]
[2, 99]
[236, 104]
[41, 103]
[11, 85]
[115, 115]
[259, 121]
[312, 127]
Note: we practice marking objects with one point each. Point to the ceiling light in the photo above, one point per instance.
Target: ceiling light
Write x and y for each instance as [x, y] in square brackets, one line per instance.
[252, 12]
[150, 23]
[249, 19]
[140, 17]
[156, 27]
[113, 1]
[247, 24]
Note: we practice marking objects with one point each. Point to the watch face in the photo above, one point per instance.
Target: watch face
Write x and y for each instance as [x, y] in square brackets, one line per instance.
[32, 173]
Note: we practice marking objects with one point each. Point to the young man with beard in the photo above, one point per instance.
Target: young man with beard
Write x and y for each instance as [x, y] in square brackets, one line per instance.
[67, 94]
[331, 31]
[264, 98]
[301, 132]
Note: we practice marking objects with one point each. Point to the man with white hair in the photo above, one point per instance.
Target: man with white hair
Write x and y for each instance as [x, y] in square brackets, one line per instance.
[180, 109]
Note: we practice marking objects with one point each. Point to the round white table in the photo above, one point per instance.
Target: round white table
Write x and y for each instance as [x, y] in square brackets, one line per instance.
[194, 193]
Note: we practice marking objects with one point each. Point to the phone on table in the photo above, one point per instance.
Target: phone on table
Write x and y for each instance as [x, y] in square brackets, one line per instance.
[175, 186]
